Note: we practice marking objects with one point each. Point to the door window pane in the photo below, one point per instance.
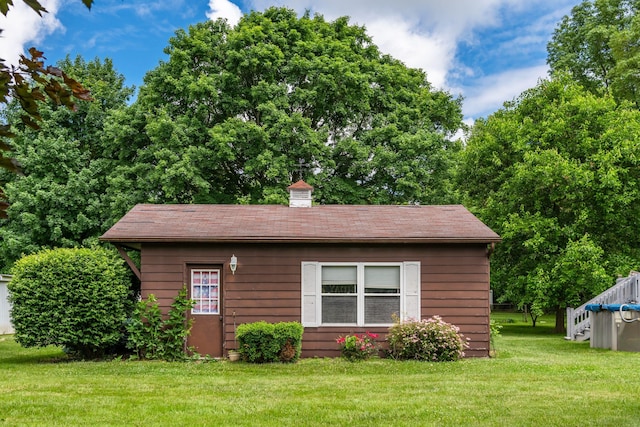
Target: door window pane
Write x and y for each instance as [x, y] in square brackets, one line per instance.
[205, 290]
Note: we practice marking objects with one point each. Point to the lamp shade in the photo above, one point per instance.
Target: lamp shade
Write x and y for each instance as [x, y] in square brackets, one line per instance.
[233, 263]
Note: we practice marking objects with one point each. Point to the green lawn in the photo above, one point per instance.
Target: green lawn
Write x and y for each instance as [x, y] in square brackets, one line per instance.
[537, 379]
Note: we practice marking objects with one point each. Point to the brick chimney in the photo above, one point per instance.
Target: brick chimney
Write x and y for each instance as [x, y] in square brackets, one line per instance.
[300, 195]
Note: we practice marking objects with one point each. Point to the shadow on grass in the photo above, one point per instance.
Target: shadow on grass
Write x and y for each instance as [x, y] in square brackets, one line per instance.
[524, 330]
[515, 323]
[14, 354]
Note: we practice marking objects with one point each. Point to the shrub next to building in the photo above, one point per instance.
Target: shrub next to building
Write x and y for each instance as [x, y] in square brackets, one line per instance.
[262, 342]
[74, 298]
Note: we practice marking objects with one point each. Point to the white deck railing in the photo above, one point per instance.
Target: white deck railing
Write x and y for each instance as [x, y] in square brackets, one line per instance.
[626, 290]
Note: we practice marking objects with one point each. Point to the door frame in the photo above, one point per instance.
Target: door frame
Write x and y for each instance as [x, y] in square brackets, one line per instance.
[218, 318]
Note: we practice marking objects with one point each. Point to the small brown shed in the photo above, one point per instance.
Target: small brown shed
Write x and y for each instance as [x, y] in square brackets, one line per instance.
[337, 269]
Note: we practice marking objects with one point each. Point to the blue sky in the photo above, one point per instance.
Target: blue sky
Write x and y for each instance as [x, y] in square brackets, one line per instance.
[487, 51]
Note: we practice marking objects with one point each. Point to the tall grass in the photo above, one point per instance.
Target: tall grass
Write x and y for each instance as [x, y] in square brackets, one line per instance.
[537, 379]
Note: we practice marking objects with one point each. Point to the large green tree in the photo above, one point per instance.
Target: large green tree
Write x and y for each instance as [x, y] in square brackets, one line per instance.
[59, 199]
[598, 45]
[557, 174]
[236, 114]
[30, 82]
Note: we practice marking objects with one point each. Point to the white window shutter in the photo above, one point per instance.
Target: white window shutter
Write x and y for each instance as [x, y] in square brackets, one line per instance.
[310, 294]
[411, 290]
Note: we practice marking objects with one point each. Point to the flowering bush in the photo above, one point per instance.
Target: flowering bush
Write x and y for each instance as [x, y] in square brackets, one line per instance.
[358, 346]
[429, 339]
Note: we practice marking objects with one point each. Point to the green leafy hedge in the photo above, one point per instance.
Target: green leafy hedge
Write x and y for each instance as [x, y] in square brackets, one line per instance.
[262, 342]
[152, 337]
[74, 298]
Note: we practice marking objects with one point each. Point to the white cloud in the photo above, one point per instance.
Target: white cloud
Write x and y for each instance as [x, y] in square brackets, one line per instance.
[22, 28]
[492, 91]
[224, 9]
[416, 50]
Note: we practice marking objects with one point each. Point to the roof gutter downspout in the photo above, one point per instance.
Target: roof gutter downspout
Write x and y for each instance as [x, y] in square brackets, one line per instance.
[491, 249]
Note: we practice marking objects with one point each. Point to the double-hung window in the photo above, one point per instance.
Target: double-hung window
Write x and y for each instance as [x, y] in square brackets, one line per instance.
[359, 294]
[339, 294]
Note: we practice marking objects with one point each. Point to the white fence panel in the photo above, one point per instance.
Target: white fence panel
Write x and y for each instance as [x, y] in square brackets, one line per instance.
[5, 308]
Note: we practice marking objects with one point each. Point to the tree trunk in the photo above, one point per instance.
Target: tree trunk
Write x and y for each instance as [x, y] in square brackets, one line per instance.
[559, 321]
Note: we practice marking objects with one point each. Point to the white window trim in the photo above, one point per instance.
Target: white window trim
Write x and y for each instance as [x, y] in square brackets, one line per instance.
[312, 292]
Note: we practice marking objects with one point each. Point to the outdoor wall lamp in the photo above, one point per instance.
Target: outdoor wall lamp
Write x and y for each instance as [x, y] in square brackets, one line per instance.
[233, 264]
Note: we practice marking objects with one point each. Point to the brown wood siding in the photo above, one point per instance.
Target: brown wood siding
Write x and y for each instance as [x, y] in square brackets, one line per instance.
[266, 285]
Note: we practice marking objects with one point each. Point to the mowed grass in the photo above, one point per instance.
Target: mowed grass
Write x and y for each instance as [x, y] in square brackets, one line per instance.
[537, 379]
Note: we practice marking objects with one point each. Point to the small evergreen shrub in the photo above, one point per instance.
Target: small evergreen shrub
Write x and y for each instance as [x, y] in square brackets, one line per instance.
[152, 337]
[431, 340]
[358, 347]
[78, 299]
[289, 335]
[262, 342]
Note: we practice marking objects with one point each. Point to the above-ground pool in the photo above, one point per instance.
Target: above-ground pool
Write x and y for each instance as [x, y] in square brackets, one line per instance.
[612, 307]
[615, 326]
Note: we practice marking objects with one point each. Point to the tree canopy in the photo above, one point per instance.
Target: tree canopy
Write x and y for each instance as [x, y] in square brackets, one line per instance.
[556, 173]
[59, 199]
[17, 82]
[236, 114]
[598, 45]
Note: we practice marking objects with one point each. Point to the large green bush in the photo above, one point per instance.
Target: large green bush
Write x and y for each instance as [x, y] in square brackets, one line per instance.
[262, 342]
[432, 340]
[74, 298]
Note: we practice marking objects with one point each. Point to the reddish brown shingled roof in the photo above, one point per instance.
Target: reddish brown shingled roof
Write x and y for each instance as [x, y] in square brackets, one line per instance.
[274, 223]
[300, 185]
